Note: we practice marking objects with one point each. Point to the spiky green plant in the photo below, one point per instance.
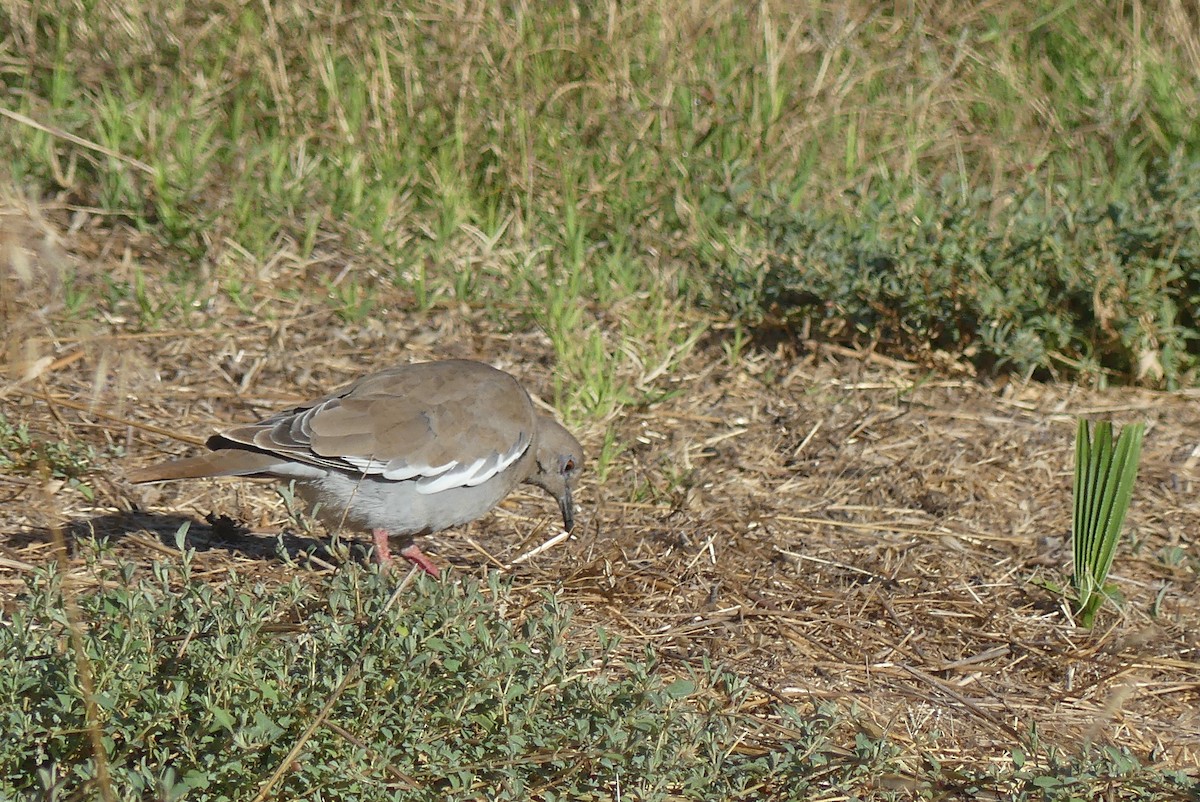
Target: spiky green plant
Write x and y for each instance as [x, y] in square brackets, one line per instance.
[1104, 477]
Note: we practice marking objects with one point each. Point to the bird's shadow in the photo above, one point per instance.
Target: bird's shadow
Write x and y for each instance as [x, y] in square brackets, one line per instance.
[213, 533]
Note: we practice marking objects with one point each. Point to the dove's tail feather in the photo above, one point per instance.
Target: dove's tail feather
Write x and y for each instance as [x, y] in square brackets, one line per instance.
[223, 462]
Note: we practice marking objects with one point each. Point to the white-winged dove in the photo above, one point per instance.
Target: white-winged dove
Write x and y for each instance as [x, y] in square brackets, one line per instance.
[407, 451]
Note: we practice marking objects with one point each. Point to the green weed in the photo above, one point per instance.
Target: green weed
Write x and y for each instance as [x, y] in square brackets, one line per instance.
[1049, 282]
[202, 690]
[351, 300]
[1104, 477]
[24, 452]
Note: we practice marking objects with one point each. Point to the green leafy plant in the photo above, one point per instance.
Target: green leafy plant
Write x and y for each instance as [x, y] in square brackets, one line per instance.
[1104, 477]
[204, 690]
[24, 452]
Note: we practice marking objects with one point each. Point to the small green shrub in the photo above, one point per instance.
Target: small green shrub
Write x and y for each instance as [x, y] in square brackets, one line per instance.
[1054, 280]
[202, 690]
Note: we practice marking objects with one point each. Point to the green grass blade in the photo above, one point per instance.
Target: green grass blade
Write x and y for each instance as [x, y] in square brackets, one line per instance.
[1122, 477]
[1107, 495]
[1096, 470]
[1083, 453]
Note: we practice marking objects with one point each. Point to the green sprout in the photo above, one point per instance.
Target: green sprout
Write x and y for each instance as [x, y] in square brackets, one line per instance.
[1104, 476]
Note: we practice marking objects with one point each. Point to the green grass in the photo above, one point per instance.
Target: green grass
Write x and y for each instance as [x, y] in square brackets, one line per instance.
[556, 160]
[458, 691]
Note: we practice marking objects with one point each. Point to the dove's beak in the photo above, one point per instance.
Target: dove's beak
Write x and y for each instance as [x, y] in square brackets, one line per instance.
[566, 505]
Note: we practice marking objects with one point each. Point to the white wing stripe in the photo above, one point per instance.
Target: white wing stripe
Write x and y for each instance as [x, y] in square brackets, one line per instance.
[436, 484]
[474, 474]
[435, 479]
[483, 470]
[404, 471]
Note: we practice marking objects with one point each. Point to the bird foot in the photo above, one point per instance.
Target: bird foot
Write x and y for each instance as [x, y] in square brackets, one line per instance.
[411, 552]
[382, 554]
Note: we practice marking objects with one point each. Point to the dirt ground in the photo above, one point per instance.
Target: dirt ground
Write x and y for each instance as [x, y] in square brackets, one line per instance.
[835, 526]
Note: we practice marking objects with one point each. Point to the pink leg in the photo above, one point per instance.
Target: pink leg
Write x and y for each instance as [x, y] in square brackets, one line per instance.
[383, 554]
[413, 554]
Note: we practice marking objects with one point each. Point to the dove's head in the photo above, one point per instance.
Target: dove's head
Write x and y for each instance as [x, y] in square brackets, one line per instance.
[559, 463]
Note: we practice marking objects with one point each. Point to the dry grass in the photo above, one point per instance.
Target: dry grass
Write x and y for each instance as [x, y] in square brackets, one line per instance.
[832, 525]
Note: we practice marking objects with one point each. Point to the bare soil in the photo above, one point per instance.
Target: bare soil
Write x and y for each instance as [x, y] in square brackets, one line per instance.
[835, 526]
